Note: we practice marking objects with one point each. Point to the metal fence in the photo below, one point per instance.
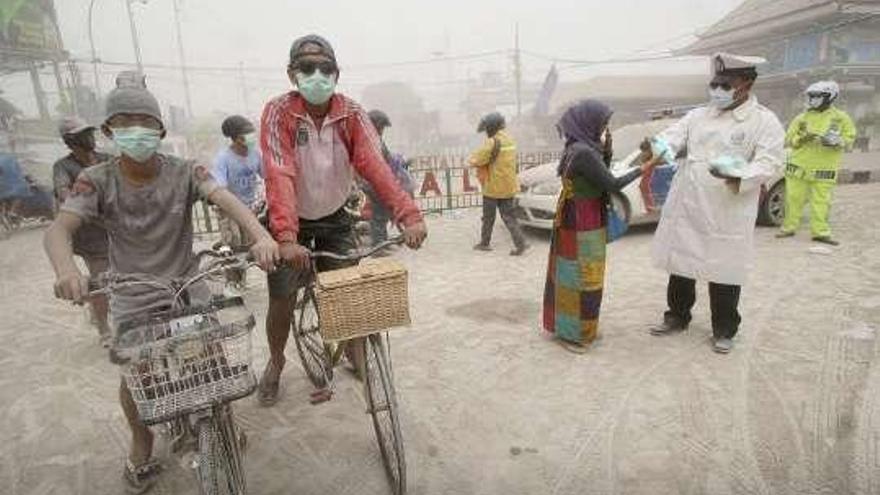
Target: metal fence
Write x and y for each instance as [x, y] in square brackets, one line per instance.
[444, 181]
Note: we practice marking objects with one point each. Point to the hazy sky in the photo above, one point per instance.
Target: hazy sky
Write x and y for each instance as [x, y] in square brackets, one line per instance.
[367, 35]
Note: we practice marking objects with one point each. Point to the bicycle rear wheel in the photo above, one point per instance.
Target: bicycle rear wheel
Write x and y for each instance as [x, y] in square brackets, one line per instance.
[309, 343]
[382, 406]
[220, 460]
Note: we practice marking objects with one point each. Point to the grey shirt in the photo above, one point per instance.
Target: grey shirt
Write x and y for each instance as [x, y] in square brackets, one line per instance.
[149, 226]
[90, 241]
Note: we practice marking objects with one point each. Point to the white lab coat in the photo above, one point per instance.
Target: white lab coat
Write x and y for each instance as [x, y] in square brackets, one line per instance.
[706, 230]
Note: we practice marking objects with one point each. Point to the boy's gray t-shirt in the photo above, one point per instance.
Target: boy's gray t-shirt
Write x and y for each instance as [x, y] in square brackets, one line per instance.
[90, 241]
[150, 226]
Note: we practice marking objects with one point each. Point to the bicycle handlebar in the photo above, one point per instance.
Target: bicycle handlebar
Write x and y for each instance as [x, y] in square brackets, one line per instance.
[106, 282]
[358, 254]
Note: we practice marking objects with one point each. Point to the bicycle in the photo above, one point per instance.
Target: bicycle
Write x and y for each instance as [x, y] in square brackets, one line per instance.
[10, 221]
[373, 362]
[184, 366]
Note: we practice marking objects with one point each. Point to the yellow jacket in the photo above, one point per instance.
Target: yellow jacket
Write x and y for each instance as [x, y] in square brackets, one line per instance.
[497, 177]
[804, 139]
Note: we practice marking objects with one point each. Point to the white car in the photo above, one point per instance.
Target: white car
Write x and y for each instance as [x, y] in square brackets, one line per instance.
[540, 186]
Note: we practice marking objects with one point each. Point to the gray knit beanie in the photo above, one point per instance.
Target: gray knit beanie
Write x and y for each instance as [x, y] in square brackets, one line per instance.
[128, 97]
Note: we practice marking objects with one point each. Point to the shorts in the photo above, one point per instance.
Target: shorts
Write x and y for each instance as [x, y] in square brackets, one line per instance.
[333, 233]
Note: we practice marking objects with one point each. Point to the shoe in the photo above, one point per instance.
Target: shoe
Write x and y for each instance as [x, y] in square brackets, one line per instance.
[784, 235]
[482, 247]
[573, 347]
[826, 239]
[668, 327]
[140, 479]
[722, 346]
[518, 251]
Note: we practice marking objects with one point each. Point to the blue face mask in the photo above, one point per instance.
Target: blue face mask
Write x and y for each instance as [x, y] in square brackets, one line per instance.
[316, 88]
[137, 143]
[721, 99]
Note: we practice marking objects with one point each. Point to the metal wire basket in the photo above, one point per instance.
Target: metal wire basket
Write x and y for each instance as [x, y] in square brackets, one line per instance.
[182, 361]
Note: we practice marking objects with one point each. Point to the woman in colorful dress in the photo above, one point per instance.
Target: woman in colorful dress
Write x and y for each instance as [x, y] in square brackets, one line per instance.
[576, 269]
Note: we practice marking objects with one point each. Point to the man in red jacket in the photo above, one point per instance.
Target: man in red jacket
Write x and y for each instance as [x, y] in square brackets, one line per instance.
[314, 141]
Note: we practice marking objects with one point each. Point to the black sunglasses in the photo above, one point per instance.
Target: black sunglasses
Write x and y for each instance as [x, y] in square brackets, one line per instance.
[308, 67]
[725, 86]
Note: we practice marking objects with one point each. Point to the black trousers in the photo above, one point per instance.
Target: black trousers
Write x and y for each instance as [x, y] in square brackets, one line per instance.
[681, 295]
[507, 208]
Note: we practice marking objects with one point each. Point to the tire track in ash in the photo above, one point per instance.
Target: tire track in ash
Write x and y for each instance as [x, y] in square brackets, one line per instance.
[850, 354]
[608, 422]
[745, 437]
[866, 469]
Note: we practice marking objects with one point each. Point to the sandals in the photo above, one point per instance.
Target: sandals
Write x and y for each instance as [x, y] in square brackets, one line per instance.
[267, 392]
[577, 348]
[573, 347]
[139, 479]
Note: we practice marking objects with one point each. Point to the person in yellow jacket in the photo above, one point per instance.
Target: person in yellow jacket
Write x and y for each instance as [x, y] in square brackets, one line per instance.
[495, 161]
[817, 138]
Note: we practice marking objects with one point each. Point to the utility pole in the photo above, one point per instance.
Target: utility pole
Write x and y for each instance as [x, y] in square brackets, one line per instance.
[186, 94]
[134, 37]
[517, 71]
[94, 55]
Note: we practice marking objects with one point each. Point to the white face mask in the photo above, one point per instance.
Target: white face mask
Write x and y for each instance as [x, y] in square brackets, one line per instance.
[814, 102]
[720, 98]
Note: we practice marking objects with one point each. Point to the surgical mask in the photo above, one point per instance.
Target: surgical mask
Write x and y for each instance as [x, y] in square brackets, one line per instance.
[316, 87]
[815, 102]
[720, 98]
[137, 143]
[250, 140]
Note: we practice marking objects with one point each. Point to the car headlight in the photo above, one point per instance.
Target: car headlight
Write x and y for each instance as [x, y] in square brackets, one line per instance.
[547, 189]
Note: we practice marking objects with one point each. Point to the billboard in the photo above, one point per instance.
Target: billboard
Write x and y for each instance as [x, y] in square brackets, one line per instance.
[28, 29]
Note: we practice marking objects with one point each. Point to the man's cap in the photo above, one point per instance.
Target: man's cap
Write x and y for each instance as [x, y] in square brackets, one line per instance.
[491, 122]
[297, 49]
[236, 125]
[324, 46]
[726, 64]
[131, 96]
[379, 119]
[824, 87]
[73, 125]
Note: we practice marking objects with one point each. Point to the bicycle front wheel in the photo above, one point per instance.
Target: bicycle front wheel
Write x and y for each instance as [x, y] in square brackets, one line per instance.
[309, 343]
[220, 461]
[382, 406]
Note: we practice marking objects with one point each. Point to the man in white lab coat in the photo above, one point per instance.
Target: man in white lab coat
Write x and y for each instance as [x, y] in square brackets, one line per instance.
[733, 145]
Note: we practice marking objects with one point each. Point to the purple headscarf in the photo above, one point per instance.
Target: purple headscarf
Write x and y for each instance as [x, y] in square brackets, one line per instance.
[584, 122]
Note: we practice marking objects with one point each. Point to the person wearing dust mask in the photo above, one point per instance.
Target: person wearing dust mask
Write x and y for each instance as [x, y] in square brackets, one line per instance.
[734, 145]
[817, 138]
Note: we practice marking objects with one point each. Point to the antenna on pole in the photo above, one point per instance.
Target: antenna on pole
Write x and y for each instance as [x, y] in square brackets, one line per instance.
[517, 70]
[189, 110]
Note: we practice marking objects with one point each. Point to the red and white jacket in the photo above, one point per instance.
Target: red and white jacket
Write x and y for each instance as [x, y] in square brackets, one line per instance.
[284, 119]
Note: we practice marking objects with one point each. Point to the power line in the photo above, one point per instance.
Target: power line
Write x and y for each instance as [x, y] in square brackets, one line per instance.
[279, 68]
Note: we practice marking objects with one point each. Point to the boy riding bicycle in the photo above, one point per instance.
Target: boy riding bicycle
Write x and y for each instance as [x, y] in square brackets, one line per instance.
[144, 199]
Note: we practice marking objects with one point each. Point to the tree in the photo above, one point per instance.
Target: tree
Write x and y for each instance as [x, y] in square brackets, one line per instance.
[411, 123]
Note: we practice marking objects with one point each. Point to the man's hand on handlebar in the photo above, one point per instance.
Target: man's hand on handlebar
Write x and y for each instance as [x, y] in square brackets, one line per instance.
[266, 253]
[415, 235]
[72, 286]
[294, 255]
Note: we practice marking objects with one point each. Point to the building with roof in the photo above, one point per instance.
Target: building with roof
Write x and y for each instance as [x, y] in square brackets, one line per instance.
[634, 98]
[805, 41]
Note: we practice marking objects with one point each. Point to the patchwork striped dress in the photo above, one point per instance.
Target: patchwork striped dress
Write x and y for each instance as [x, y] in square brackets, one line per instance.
[576, 268]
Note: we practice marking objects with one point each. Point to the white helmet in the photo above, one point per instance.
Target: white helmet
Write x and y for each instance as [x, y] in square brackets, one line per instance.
[821, 94]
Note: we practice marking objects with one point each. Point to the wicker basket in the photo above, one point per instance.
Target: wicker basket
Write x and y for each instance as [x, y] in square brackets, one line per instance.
[361, 300]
